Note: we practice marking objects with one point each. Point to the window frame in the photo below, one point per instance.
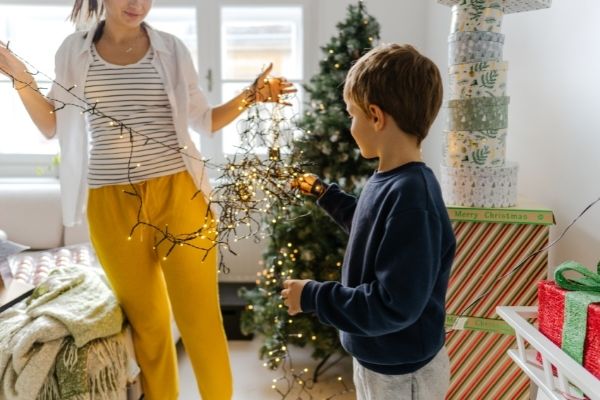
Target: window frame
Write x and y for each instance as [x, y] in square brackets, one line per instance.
[209, 23]
[25, 165]
[208, 18]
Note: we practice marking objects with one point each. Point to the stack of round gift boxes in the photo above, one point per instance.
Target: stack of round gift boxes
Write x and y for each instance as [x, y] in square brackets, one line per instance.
[474, 170]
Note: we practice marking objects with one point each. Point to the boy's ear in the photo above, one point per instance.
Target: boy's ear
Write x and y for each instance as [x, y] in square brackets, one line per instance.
[377, 117]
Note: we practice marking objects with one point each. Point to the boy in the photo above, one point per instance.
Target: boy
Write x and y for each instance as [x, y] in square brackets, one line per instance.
[390, 306]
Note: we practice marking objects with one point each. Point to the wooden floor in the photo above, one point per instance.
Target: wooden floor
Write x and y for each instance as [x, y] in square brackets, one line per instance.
[252, 381]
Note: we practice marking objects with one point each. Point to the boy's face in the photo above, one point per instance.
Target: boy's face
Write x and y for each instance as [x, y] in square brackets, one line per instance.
[362, 129]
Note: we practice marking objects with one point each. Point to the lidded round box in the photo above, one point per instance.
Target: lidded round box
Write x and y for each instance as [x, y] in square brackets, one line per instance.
[467, 47]
[478, 113]
[479, 79]
[480, 186]
[466, 18]
[474, 148]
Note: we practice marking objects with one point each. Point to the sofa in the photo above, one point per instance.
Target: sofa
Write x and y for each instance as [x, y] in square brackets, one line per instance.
[30, 214]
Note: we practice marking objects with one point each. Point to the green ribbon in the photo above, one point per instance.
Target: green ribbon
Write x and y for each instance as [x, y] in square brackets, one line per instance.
[582, 292]
[589, 283]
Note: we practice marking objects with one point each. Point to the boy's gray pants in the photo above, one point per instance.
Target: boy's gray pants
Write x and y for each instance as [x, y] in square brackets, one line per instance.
[428, 383]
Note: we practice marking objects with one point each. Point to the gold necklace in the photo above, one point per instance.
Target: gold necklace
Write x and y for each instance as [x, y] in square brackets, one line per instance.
[132, 44]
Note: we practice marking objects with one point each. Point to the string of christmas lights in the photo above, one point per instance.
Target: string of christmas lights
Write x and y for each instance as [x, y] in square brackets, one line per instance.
[287, 330]
[249, 187]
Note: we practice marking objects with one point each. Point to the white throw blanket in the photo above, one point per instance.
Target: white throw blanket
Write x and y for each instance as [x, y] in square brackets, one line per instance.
[47, 341]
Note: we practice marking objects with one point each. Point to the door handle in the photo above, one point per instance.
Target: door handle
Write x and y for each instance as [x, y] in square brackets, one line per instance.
[209, 79]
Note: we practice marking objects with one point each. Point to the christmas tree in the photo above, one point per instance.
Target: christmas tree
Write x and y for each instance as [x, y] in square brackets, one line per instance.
[309, 245]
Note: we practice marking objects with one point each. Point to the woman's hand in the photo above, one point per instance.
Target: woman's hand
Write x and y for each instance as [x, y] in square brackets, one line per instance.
[271, 89]
[12, 67]
[40, 109]
[264, 89]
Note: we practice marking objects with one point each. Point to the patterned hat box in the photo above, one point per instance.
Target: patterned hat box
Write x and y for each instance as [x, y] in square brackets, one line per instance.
[508, 6]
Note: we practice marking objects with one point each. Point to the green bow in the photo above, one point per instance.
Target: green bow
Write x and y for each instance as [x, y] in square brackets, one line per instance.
[582, 292]
[589, 283]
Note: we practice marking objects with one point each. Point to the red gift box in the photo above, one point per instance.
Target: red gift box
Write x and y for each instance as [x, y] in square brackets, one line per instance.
[551, 311]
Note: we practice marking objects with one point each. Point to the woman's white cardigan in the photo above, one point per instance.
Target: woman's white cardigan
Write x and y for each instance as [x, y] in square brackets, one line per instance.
[190, 108]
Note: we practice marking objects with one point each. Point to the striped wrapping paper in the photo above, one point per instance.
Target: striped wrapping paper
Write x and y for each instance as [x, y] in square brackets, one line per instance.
[487, 251]
[480, 369]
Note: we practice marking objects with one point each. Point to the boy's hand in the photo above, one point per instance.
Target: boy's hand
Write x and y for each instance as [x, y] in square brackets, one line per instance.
[309, 184]
[291, 293]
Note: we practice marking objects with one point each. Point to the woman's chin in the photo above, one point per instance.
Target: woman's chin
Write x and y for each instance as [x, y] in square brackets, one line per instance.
[132, 20]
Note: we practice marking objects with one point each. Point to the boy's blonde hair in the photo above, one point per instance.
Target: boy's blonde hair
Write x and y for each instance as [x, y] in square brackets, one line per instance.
[402, 82]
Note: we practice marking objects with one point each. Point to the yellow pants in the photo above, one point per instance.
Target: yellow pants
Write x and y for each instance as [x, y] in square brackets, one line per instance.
[148, 286]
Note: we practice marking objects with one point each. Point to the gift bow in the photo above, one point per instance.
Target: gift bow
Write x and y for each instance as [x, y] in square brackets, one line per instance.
[582, 292]
[589, 283]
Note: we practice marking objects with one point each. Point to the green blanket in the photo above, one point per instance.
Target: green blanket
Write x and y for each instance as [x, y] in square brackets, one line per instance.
[64, 342]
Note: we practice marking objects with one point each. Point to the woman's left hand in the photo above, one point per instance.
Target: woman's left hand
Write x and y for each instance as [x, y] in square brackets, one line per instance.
[272, 89]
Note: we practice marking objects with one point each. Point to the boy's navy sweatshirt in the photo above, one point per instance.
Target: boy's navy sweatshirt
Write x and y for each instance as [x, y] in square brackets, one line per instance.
[390, 305]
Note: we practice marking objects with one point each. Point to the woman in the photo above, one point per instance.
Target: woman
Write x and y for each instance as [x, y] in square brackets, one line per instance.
[140, 78]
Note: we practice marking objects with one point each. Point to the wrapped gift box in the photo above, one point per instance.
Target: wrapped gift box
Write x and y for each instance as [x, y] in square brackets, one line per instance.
[490, 244]
[551, 315]
[509, 6]
[480, 368]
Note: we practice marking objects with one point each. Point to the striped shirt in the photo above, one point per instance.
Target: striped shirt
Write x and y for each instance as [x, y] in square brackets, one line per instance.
[132, 95]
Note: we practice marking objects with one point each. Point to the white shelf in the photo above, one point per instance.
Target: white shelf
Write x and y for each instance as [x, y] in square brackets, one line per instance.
[569, 373]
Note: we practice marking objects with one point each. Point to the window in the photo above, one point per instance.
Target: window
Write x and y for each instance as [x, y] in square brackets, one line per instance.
[181, 22]
[248, 36]
[19, 135]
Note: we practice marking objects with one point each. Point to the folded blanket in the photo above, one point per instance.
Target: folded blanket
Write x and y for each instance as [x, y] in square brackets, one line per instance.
[47, 341]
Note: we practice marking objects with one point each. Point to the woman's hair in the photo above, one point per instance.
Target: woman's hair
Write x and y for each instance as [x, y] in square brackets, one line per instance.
[93, 8]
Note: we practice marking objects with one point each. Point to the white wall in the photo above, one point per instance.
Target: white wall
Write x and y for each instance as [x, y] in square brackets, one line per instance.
[401, 20]
[554, 113]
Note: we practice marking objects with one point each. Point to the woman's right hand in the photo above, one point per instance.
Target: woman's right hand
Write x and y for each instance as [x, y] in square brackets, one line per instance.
[12, 67]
